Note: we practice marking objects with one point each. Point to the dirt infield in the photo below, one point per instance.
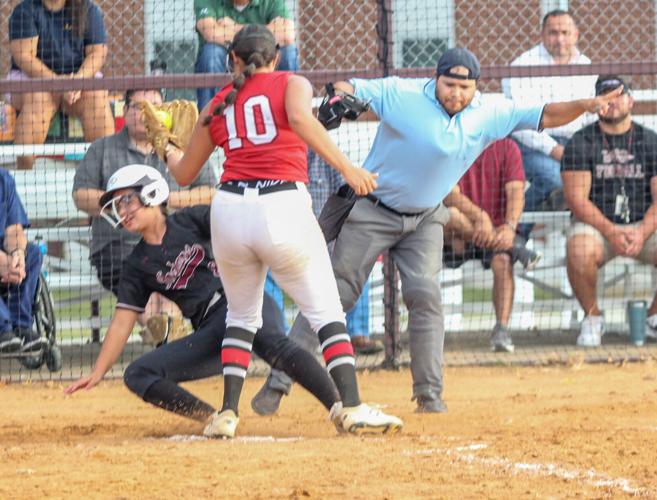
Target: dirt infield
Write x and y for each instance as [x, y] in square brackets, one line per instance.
[554, 432]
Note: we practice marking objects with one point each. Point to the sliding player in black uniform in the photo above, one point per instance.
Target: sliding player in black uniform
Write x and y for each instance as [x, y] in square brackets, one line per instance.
[174, 258]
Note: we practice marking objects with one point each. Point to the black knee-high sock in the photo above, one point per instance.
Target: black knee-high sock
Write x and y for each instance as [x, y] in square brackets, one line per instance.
[303, 368]
[171, 397]
[235, 356]
[339, 357]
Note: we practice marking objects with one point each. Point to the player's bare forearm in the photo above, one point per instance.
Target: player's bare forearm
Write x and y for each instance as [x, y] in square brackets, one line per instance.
[115, 340]
[298, 105]
[201, 195]
[185, 166]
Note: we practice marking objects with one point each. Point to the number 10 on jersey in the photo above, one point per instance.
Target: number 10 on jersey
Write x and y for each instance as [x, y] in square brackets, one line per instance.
[265, 136]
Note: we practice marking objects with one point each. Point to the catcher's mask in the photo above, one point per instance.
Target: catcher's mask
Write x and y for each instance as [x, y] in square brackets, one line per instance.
[149, 185]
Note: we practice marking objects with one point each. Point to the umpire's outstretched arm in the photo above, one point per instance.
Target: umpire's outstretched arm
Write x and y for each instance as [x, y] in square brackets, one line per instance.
[559, 113]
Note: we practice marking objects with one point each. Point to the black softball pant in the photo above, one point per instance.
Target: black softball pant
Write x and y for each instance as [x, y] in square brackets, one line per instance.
[154, 376]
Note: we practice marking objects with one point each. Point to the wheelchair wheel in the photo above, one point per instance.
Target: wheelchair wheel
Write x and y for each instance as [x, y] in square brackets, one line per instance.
[44, 323]
[32, 362]
[53, 357]
[44, 312]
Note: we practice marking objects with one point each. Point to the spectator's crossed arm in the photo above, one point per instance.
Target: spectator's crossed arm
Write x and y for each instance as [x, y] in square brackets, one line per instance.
[484, 232]
[219, 31]
[514, 192]
[12, 256]
[576, 190]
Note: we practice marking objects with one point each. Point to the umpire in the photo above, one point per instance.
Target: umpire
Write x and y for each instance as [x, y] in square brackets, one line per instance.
[431, 130]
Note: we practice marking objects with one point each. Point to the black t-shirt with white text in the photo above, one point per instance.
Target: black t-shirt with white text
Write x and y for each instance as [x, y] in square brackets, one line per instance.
[181, 268]
[616, 163]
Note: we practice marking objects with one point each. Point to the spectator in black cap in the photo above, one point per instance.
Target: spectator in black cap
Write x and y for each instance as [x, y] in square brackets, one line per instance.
[431, 130]
[609, 172]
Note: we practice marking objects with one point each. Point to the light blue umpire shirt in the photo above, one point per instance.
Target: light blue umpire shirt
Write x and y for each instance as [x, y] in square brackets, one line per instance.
[419, 151]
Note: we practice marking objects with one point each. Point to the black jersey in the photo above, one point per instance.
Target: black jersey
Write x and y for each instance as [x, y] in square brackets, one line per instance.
[620, 164]
[181, 268]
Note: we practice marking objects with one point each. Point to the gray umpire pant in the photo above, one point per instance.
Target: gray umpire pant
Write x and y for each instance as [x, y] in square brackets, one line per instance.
[416, 244]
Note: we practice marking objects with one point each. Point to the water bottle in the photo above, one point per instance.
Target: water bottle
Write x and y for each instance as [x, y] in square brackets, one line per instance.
[43, 248]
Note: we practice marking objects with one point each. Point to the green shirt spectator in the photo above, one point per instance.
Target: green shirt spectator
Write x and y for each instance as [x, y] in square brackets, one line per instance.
[217, 22]
[229, 17]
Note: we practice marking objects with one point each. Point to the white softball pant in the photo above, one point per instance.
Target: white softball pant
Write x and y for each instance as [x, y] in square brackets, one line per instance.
[252, 232]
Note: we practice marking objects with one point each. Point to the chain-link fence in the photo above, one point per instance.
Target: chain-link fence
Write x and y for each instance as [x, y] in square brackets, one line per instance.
[156, 45]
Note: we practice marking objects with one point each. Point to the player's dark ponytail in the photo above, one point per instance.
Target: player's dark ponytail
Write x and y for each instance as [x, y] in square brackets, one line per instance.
[255, 45]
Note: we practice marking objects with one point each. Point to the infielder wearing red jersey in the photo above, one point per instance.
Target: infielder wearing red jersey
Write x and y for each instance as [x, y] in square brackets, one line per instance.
[262, 218]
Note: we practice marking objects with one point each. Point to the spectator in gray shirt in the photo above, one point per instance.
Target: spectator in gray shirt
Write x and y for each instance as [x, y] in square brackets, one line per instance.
[109, 246]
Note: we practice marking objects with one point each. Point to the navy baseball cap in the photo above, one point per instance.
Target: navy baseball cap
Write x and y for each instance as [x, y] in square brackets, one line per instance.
[607, 83]
[459, 57]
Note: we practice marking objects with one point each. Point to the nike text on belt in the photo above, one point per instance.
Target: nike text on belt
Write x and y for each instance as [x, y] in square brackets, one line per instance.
[283, 186]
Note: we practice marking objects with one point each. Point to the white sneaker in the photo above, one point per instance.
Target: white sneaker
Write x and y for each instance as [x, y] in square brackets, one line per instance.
[222, 425]
[591, 331]
[651, 327]
[363, 419]
[334, 416]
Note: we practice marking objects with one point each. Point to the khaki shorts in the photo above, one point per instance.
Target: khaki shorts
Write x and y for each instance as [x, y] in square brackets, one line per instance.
[647, 254]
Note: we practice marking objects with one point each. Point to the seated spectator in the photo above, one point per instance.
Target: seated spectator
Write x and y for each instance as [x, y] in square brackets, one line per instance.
[57, 39]
[217, 22]
[609, 172]
[542, 151]
[485, 208]
[110, 246]
[20, 265]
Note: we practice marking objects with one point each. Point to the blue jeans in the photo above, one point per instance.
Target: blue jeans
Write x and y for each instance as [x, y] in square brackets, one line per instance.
[358, 319]
[213, 58]
[277, 294]
[17, 300]
[543, 172]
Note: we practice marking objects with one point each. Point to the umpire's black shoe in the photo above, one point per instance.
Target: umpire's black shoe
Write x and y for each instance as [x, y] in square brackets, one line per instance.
[429, 403]
[9, 342]
[267, 400]
[32, 341]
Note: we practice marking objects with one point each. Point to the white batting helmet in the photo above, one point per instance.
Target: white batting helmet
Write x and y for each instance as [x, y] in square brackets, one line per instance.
[154, 189]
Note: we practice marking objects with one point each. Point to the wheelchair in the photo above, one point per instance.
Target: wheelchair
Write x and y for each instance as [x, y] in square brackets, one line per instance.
[44, 324]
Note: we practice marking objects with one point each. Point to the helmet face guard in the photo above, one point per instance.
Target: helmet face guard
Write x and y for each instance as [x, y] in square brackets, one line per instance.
[147, 184]
[110, 210]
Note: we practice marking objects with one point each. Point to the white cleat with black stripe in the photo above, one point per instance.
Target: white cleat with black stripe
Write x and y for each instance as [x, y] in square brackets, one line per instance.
[363, 419]
[221, 425]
